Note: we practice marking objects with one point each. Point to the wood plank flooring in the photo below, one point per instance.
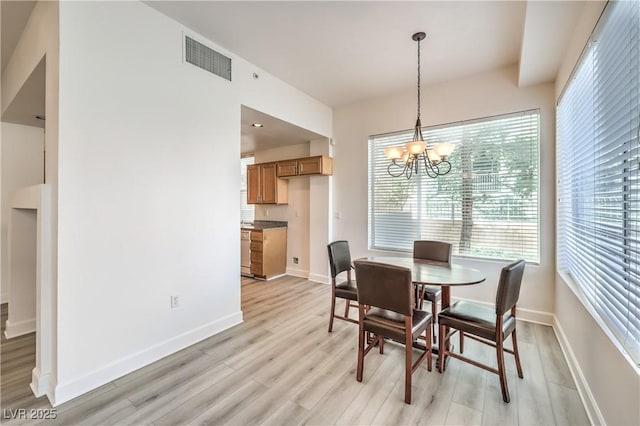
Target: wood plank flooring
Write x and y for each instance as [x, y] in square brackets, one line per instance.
[281, 367]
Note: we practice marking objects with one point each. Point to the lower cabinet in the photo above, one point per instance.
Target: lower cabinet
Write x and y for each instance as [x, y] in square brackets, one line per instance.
[269, 252]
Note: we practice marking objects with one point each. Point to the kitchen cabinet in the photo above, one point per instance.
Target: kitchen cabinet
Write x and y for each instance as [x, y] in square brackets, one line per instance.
[264, 186]
[318, 165]
[269, 252]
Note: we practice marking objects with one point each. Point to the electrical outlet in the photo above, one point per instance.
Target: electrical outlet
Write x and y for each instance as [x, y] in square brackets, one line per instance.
[295, 260]
[175, 301]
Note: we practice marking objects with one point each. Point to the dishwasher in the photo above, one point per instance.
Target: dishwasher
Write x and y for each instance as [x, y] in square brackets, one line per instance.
[245, 253]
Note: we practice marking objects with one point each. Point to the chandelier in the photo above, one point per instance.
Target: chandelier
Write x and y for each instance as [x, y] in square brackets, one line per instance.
[406, 160]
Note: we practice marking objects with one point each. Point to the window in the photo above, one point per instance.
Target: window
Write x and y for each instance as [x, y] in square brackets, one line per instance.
[598, 181]
[487, 206]
[247, 211]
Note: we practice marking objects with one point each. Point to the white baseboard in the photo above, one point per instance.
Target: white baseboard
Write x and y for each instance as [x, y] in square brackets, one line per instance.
[20, 328]
[300, 273]
[588, 400]
[105, 374]
[538, 317]
[317, 278]
[40, 383]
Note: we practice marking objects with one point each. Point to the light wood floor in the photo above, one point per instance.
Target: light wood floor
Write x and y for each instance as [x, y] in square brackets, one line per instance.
[282, 367]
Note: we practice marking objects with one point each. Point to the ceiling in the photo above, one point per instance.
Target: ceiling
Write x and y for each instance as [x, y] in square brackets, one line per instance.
[15, 15]
[345, 51]
[272, 134]
[341, 52]
[30, 100]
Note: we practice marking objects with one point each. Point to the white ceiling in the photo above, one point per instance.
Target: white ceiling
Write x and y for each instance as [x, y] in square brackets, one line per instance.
[341, 52]
[345, 51]
[15, 15]
[273, 133]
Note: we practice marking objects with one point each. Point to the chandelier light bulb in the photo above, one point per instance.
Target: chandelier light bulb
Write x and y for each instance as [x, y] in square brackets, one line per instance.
[433, 156]
[393, 153]
[416, 147]
[444, 149]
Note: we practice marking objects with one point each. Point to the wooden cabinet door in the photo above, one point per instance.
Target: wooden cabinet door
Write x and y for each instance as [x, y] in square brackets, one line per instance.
[253, 184]
[287, 168]
[269, 182]
[310, 166]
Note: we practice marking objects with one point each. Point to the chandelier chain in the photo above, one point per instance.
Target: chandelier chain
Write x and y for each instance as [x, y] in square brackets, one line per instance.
[418, 78]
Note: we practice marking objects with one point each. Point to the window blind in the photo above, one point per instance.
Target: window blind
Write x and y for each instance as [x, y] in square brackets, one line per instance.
[598, 180]
[247, 211]
[487, 206]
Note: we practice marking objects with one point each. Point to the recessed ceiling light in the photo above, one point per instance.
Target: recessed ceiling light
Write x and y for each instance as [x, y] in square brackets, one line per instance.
[257, 124]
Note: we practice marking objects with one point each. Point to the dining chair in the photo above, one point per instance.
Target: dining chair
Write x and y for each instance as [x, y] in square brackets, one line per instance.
[386, 309]
[436, 251]
[340, 261]
[486, 325]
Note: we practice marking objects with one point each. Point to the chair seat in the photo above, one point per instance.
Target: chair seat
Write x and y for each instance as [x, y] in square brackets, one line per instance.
[475, 319]
[391, 324]
[432, 293]
[347, 290]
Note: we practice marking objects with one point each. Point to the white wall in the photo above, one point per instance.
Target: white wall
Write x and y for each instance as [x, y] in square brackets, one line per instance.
[609, 382]
[148, 189]
[22, 165]
[296, 213]
[482, 95]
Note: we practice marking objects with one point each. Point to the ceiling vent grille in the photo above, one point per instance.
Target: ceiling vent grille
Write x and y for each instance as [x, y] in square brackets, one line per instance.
[208, 59]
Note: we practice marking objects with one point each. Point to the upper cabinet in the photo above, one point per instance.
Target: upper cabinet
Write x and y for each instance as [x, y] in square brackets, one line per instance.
[319, 165]
[264, 183]
[264, 186]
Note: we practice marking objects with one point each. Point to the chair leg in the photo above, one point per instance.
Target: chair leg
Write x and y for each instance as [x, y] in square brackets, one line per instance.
[461, 341]
[441, 339]
[434, 313]
[429, 343]
[333, 307]
[408, 365]
[516, 354]
[361, 343]
[346, 308]
[381, 345]
[501, 371]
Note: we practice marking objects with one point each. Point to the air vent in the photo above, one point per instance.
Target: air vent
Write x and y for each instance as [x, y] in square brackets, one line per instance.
[206, 58]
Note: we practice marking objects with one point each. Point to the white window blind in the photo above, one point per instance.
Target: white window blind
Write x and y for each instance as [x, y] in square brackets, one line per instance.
[598, 181]
[247, 211]
[487, 206]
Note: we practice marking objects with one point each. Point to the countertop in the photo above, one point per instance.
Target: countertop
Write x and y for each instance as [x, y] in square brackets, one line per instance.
[263, 224]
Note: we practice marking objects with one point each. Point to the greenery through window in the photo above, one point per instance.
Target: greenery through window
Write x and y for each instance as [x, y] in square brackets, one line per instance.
[487, 206]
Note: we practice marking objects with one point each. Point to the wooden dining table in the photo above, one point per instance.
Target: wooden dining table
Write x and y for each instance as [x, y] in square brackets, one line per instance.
[426, 272]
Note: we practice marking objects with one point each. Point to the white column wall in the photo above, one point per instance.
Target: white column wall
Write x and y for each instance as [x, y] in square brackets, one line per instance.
[320, 188]
[482, 95]
[148, 194]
